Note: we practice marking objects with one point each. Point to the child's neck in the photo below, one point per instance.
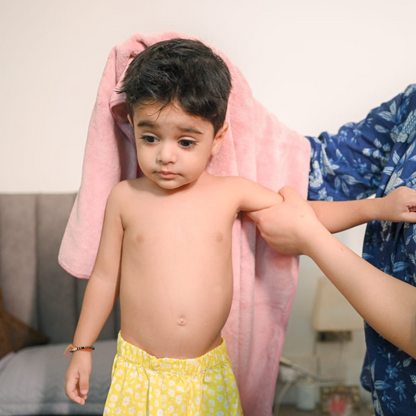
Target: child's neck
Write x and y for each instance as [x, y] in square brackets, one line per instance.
[158, 190]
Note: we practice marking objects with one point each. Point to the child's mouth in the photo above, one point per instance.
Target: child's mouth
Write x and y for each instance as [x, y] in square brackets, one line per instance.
[167, 174]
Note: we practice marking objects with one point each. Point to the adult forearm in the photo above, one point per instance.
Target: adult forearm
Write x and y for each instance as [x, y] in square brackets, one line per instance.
[100, 296]
[398, 206]
[386, 303]
[341, 215]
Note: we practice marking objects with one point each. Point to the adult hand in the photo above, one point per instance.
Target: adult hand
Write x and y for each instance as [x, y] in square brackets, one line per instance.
[398, 206]
[289, 226]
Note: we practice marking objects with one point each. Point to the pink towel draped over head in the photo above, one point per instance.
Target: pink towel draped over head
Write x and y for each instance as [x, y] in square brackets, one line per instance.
[257, 146]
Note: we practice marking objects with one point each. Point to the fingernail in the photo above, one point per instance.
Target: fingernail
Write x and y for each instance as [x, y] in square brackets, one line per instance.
[84, 391]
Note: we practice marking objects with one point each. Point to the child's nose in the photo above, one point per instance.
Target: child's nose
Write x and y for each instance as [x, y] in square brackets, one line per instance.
[167, 153]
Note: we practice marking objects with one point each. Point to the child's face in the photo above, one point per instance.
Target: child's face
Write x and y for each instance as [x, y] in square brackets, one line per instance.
[173, 147]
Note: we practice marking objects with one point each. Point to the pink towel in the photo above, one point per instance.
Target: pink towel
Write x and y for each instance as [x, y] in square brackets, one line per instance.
[258, 147]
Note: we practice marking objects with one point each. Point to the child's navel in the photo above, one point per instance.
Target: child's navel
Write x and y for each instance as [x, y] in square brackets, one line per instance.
[181, 321]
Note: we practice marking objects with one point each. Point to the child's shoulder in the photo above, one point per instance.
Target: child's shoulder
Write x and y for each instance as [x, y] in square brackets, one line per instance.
[127, 188]
[230, 180]
[233, 181]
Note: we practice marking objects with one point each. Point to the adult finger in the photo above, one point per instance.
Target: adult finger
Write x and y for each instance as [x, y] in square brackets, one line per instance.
[287, 192]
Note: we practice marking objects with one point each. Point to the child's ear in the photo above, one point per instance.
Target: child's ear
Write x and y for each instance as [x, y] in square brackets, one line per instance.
[129, 119]
[218, 139]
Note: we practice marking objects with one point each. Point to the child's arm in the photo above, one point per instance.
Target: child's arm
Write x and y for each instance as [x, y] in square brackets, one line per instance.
[99, 298]
[386, 303]
[253, 196]
[398, 206]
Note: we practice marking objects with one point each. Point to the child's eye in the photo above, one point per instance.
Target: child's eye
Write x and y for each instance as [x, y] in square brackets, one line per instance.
[187, 143]
[149, 139]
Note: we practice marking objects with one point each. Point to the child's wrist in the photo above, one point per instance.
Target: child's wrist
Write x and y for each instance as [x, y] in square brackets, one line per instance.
[71, 348]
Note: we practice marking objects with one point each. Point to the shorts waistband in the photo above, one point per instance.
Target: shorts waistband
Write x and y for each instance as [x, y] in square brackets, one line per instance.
[189, 366]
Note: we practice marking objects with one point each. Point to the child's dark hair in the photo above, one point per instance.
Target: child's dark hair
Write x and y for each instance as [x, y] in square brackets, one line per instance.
[183, 71]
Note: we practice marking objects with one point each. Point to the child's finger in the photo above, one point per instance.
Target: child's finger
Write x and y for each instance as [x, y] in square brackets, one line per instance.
[71, 390]
[84, 383]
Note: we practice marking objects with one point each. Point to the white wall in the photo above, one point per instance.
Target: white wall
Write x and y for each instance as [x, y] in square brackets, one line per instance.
[315, 64]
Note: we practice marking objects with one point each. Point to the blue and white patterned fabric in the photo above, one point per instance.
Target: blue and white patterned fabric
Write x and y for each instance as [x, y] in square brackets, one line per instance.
[376, 156]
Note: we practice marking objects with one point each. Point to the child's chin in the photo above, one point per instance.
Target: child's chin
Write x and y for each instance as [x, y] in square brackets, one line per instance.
[171, 185]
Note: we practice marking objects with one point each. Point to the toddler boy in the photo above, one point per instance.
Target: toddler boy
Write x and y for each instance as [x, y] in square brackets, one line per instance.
[166, 244]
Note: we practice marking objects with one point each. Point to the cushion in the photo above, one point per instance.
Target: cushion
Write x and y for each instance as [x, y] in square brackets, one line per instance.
[32, 381]
[15, 335]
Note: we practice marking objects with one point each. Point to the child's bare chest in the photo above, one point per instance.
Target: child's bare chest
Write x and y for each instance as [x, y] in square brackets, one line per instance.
[181, 221]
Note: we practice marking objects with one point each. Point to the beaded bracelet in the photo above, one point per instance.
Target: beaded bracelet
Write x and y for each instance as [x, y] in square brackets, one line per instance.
[73, 348]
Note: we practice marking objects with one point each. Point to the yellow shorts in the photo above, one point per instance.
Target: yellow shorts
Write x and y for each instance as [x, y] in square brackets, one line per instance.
[144, 385]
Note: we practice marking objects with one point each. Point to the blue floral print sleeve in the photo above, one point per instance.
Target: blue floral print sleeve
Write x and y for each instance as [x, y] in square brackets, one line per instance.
[376, 156]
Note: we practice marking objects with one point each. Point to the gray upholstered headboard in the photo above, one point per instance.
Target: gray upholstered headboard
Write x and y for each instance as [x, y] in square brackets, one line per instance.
[34, 287]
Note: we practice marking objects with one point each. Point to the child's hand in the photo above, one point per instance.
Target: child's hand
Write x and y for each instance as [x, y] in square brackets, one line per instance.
[78, 376]
[398, 206]
[288, 227]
